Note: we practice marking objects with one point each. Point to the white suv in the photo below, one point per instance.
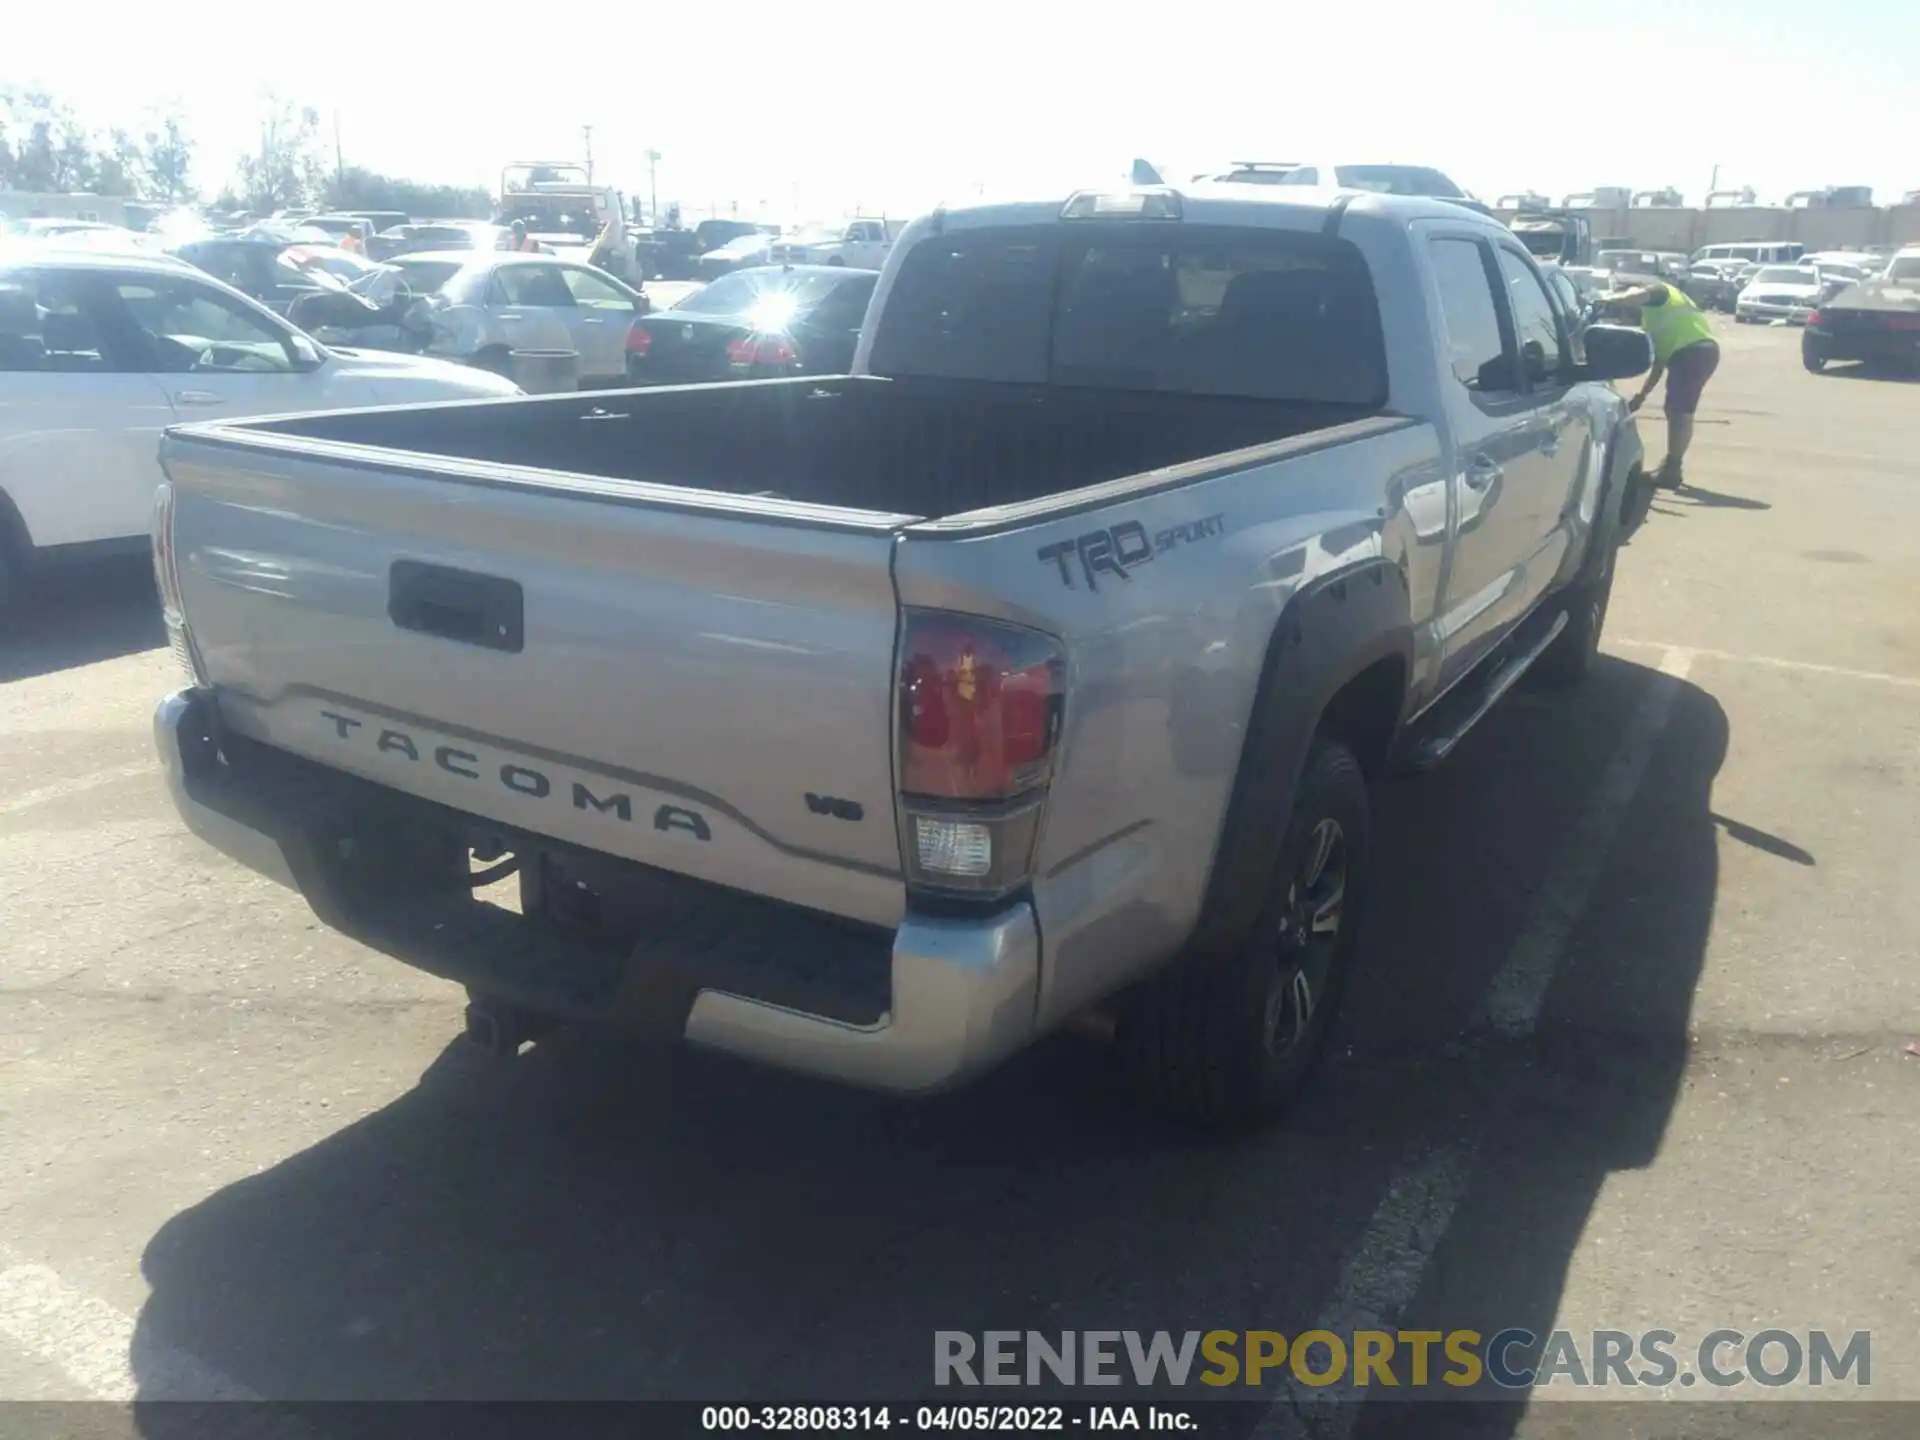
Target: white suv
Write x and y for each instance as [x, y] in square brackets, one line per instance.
[99, 353]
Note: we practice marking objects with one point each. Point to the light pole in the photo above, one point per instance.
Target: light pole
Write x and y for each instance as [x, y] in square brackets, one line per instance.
[586, 132]
[653, 190]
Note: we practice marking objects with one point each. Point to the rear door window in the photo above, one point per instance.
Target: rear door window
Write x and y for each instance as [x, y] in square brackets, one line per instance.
[1265, 314]
[533, 285]
[1476, 348]
[58, 322]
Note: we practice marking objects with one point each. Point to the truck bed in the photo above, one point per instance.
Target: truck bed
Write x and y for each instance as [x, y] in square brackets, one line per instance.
[923, 448]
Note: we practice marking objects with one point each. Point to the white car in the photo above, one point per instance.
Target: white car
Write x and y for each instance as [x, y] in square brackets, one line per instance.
[99, 353]
[859, 244]
[487, 305]
[1779, 292]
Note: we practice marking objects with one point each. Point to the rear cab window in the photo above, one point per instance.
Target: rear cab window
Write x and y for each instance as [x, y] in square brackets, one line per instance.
[1196, 309]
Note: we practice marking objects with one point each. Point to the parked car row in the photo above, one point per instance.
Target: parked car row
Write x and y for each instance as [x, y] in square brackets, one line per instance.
[1876, 319]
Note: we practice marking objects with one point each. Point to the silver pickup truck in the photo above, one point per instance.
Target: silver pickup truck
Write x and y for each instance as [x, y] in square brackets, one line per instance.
[875, 725]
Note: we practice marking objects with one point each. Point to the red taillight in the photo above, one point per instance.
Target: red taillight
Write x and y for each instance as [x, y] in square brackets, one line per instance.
[761, 350]
[639, 341]
[1903, 322]
[979, 707]
[980, 711]
[1813, 317]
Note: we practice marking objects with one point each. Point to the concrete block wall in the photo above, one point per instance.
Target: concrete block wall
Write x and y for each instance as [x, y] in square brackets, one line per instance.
[1686, 229]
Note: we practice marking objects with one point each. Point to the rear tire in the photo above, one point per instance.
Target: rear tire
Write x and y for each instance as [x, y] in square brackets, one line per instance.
[1570, 659]
[495, 359]
[1813, 360]
[1232, 1038]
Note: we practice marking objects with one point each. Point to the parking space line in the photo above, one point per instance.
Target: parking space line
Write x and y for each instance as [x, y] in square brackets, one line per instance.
[1386, 1267]
[1774, 662]
[79, 785]
[93, 1344]
[1513, 1000]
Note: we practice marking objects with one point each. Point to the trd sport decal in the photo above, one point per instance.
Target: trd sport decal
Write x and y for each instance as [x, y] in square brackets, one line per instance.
[1123, 548]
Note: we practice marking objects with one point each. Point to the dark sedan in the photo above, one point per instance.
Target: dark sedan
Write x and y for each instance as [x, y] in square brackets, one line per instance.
[796, 320]
[741, 253]
[1710, 285]
[273, 272]
[674, 254]
[1877, 320]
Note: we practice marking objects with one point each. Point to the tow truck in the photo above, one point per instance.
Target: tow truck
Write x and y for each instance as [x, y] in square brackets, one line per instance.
[1553, 235]
[569, 215]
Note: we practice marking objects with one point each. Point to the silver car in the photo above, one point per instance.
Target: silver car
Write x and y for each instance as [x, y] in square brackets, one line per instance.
[487, 305]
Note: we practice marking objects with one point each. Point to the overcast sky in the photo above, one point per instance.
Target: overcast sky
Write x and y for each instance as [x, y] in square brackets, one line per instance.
[813, 110]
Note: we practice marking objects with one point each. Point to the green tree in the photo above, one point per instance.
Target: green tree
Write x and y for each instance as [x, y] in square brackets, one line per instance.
[166, 159]
[36, 160]
[358, 188]
[76, 168]
[287, 170]
[120, 167]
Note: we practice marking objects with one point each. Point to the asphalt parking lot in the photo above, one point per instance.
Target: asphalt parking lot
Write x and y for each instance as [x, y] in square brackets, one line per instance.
[1628, 1050]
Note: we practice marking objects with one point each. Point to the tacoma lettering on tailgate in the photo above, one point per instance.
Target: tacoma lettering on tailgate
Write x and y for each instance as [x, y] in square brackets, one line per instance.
[511, 775]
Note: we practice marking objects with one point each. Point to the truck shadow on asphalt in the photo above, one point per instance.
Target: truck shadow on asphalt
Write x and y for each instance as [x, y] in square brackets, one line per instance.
[595, 1222]
[80, 615]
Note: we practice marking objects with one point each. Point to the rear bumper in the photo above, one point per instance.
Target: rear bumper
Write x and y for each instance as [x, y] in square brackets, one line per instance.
[960, 994]
[1889, 345]
[1767, 310]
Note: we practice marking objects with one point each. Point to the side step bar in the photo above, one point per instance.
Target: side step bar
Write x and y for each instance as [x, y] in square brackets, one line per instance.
[1447, 724]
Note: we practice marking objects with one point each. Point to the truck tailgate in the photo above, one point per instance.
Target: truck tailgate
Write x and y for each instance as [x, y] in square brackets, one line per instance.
[693, 688]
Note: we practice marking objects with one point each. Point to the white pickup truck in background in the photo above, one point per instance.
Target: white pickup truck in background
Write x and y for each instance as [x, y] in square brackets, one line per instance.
[860, 245]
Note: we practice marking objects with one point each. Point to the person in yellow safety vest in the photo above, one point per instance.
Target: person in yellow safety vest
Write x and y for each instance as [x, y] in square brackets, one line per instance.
[1685, 351]
[601, 256]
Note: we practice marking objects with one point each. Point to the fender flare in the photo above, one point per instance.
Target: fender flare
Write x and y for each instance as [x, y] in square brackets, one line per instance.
[16, 541]
[1617, 514]
[1328, 633]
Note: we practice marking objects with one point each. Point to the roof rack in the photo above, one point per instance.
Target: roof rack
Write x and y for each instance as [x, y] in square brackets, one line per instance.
[1264, 164]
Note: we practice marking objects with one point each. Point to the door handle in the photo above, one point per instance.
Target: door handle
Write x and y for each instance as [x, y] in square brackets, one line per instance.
[591, 320]
[511, 319]
[1481, 472]
[198, 397]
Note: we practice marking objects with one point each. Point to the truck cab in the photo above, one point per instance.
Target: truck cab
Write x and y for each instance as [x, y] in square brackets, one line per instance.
[569, 215]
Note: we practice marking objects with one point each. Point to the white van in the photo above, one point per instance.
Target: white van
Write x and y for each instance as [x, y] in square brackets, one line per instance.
[1752, 252]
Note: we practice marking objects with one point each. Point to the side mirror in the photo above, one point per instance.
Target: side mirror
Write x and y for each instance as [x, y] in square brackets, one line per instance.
[306, 355]
[1616, 352]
